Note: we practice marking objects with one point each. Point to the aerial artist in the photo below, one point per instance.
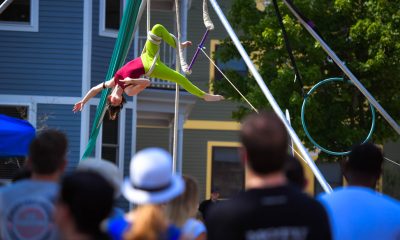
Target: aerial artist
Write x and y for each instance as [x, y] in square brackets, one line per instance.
[129, 79]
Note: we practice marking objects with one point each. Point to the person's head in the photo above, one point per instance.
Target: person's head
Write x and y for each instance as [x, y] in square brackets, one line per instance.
[184, 206]
[47, 153]
[150, 184]
[85, 200]
[115, 104]
[214, 193]
[106, 169]
[295, 173]
[364, 165]
[265, 142]
[151, 179]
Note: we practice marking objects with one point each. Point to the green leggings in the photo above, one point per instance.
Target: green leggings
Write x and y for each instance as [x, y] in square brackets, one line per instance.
[161, 71]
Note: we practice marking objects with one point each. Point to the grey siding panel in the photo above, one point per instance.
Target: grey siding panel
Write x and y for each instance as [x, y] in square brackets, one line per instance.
[60, 117]
[152, 137]
[48, 62]
[195, 153]
[213, 111]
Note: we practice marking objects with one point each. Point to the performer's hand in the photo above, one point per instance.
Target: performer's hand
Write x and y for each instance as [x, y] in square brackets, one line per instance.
[78, 106]
[136, 81]
[186, 44]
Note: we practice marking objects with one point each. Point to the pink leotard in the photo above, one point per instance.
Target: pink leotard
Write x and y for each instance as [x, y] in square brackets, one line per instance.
[133, 69]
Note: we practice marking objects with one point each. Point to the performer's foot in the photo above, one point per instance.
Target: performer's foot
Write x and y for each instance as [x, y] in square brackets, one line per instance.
[212, 98]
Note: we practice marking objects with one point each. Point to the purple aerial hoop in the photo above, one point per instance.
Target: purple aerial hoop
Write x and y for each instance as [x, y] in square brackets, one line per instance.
[200, 46]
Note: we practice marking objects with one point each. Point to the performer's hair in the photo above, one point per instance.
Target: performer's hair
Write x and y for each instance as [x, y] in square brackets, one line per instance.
[113, 111]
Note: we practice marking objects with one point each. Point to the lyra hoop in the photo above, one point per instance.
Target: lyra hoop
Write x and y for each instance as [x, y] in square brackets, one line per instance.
[303, 122]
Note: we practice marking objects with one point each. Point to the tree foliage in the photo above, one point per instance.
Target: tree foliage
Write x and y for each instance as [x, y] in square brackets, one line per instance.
[365, 34]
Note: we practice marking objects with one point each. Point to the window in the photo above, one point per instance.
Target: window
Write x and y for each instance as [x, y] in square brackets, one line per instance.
[225, 169]
[20, 15]
[109, 147]
[237, 65]
[110, 17]
[10, 165]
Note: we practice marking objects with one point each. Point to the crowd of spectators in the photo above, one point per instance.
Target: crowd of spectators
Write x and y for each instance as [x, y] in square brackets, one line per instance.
[46, 202]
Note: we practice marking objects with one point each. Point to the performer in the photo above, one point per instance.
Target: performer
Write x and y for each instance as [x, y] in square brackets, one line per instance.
[129, 78]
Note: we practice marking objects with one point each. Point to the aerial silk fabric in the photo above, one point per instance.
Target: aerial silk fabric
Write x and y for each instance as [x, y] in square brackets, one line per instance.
[121, 48]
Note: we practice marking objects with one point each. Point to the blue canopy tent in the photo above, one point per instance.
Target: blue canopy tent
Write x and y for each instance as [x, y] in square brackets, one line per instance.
[15, 136]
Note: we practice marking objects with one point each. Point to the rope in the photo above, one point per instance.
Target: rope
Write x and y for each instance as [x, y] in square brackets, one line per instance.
[148, 15]
[288, 47]
[233, 85]
[4, 5]
[393, 162]
[184, 65]
[206, 17]
[209, 25]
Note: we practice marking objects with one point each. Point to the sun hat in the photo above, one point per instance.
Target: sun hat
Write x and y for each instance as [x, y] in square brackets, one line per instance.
[151, 179]
[108, 170]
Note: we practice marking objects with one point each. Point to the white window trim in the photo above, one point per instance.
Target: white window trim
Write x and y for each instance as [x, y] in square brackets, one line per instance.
[121, 142]
[103, 31]
[31, 102]
[31, 111]
[32, 26]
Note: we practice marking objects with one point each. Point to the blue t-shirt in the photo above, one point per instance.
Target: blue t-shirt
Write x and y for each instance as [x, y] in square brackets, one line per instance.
[193, 228]
[27, 209]
[117, 226]
[361, 213]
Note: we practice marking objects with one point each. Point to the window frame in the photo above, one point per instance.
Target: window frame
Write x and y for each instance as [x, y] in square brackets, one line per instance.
[210, 145]
[121, 141]
[213, 46]
[31, 110]
[103, 31]
[112, 145]
[31, 118]
[32, 26]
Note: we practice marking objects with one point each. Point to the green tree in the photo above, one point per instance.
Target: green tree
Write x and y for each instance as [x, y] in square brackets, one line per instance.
[364, 33]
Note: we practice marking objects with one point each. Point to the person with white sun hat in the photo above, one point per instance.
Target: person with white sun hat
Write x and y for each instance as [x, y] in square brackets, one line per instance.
[150, 185]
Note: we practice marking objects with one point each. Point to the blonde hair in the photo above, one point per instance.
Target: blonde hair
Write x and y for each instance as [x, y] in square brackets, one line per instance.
[150, 223]
[185, 205]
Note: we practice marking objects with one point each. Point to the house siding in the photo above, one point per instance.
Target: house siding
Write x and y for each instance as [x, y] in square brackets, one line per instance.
[152, 137]
[195, 153]
[48, 62]
[60, 117]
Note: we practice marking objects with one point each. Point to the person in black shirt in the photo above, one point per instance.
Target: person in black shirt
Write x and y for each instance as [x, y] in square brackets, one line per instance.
[207, 204]
[269, 208]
